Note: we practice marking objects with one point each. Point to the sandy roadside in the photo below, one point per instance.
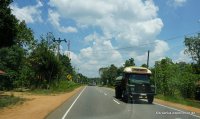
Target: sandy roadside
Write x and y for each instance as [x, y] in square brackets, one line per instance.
[37, 107]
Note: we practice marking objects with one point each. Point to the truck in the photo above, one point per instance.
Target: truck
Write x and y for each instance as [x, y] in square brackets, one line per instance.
[134, 84]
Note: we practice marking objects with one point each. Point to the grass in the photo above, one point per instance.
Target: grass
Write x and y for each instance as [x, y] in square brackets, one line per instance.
[180, 100]
[63, 86]
[7, 100]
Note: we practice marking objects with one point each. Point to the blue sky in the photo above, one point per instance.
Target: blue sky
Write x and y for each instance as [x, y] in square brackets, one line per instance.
[104, 32]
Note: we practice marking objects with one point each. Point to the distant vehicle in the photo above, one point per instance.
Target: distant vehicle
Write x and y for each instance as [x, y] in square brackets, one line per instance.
[92, 84]
[134, 85]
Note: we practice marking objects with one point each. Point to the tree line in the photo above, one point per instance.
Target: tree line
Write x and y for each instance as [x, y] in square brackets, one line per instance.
[171, 78]
[27, 62]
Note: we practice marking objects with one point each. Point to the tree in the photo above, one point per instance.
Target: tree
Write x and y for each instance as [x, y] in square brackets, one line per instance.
[66, 64]
[108, 74]
[24, 36]
[7, 24]
[144, 65]
[46, 66]
[83, 79]
[120, 71]
[174, 79]
[193, 47]
[112, 71]
[129, 62]
[104, 74]
[162, 76]
[11, 61]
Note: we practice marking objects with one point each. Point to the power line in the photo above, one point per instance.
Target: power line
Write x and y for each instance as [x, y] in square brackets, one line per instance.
[144, 44]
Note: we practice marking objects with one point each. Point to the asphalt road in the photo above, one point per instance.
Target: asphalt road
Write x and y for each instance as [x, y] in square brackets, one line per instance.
[99, 103]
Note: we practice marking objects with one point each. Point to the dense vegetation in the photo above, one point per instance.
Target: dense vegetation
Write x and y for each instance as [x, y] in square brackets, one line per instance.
[31, 63]
[7, 100]
[172, 79]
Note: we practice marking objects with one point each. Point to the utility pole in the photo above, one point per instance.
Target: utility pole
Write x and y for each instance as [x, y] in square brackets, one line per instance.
[68, 45]
[58, 43]
[148, 59]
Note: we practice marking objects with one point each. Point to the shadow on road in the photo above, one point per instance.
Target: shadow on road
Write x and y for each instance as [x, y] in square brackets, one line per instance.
[140, 101]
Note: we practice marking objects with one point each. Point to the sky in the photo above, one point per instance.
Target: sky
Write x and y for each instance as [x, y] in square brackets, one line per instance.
[105, 32]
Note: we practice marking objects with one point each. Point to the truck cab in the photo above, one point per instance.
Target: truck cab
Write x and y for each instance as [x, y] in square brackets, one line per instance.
[134, 85]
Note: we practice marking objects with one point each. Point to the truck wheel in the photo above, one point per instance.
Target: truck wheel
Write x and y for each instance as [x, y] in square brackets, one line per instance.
[125, 97]
[150, 99]
[117, 93]
[135, 99]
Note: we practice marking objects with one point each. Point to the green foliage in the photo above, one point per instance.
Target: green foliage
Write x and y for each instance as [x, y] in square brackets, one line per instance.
[82, 79]
[9, 100]
[28, 63]
[63, 86]
[180, 100]
[144, 65]
[24, 36]
[193, 47]
[129, 62]
[7, 24]
[45, 64]
[67, 67]
[109, 74]
[26, 74]
[12, 60]
[174, 79]
[163, 72]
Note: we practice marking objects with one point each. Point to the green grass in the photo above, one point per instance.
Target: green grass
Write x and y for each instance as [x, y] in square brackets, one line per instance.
[7, 100]
[180, 100]
[63, 86]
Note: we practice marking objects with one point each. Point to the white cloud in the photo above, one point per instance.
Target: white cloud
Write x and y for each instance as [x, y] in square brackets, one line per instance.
[179, 2]
[127, 23]
[156, 54]
[176, 3]
[182, 57]
[30, 14]
[90, 59]
[54, 19]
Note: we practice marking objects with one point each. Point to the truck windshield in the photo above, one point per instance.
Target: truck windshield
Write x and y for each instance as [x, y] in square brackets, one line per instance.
[138, 78]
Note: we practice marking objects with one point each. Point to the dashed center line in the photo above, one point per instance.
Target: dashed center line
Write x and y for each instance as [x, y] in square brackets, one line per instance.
[116, 101]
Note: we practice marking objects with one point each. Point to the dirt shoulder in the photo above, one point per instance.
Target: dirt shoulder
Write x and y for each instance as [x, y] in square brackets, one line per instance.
[36, 106]
[177, 106]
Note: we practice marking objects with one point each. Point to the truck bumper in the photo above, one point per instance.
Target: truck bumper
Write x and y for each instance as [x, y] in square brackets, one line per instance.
[141, 95]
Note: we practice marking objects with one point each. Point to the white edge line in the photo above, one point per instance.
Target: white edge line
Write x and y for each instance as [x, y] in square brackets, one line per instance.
[176, 110]
[72, 104]
[116, 101]
[166, 107]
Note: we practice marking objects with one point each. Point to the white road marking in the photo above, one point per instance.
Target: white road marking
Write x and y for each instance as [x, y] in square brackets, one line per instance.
[176, 110]
[72, 104]
[116, 101]
[105, 94]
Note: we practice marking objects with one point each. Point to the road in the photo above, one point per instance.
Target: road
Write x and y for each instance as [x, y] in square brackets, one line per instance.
[99, 103]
